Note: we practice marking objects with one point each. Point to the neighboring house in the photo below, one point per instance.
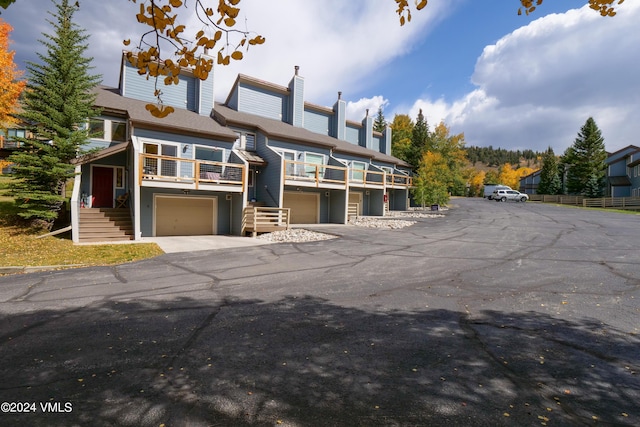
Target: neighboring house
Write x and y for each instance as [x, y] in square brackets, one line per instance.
[529, 184]
[194, 171]
[622, 172]
[622, 180]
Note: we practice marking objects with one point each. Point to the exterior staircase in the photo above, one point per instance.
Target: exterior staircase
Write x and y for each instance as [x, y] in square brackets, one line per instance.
[105, 225]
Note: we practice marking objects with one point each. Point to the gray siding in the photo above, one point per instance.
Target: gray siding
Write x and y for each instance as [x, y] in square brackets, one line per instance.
[205, 105]
[337, 206]
[269, 178]
[367, 133]
[224, 220]
[296, 101]
[376, 144]
[182, 95]
[339, 125]
[317, 122]
[261, 102]
[352, 134]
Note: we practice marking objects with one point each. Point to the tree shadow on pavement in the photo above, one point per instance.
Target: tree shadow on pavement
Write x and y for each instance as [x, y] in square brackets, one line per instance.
[307, 362]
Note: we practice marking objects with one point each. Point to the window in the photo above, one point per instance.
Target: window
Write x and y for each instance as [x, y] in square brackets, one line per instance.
[245, 141]
[358, 170]
[163, 167]
[316, 159]
[16, 133]
[108, 130]
[118, 131]
[96, 128]
[209, 154]
[250, 142]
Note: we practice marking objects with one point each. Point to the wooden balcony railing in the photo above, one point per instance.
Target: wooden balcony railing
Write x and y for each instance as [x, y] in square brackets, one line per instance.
[316, 173]
[190, 171]
[364, 178]
[398, 180]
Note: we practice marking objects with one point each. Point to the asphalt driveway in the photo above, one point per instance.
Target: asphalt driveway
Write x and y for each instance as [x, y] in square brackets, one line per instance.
[496, 314]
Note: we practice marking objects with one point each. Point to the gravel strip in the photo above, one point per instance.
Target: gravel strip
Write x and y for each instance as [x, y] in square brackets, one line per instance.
[389, 222]
[376, 222]
[295, 235]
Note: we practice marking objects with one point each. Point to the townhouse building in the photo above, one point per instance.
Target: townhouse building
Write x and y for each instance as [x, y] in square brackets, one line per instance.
[195, 171]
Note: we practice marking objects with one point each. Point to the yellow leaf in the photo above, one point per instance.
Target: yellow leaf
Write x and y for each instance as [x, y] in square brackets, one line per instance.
[420, 5]
[126, 42]
[229, 22]
[237, 55]
[176, 3]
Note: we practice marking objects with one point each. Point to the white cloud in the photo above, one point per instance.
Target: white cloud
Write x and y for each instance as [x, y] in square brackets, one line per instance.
[357, 110]
[537, 86]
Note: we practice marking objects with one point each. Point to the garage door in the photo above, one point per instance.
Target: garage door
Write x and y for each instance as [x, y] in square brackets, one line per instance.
[185, 216]
[304, 207]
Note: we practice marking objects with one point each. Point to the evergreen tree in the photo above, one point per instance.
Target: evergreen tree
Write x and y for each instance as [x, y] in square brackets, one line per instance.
[586, 161]
[379, 124]
[549, 174]
[57, 104]
[420, 141]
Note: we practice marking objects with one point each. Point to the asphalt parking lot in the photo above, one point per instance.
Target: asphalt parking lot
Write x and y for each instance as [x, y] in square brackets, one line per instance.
[511, 314]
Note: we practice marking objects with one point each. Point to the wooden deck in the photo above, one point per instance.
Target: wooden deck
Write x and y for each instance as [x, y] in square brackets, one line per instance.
[259, 219]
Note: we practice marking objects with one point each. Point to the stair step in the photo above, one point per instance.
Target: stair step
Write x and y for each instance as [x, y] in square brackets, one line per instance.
[105, 224]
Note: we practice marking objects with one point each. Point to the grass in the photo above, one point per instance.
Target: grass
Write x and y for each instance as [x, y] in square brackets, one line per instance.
[20, 247]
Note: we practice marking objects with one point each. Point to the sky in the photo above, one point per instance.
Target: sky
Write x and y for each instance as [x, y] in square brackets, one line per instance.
[508, 81]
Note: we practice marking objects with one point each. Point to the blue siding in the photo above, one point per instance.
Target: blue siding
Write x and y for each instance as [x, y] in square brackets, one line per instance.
[339, 125]
[296, 101]
[618, 168]
[182, 95]
[367, 133]
[206, 95]
[317, 122]
[269, 179]
[233, 99]
[352, 134]
[376, 144]
[262, 103]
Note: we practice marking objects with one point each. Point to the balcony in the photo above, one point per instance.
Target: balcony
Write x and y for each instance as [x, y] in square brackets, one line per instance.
[174, 172]
[314, 175]
[366, 178]
[397, 180]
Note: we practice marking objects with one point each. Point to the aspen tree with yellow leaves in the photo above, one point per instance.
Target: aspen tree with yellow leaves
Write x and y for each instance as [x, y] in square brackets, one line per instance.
[10, 86]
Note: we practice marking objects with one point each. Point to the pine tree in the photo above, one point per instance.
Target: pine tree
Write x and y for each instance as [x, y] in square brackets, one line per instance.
[379, 124]
[57, 104]
[549, 174]
[586, 161]
[420, 141]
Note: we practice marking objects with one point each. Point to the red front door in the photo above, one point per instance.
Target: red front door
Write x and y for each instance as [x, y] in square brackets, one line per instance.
[102, 188]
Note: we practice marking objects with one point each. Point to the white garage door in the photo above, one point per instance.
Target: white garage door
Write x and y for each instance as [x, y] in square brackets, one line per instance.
[185, 216]
[304, 207]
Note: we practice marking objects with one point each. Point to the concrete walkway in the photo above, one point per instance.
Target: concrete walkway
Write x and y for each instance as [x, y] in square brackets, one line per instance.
[175, 244]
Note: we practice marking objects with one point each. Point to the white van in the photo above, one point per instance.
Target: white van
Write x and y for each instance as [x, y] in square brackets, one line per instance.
[490, 188]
